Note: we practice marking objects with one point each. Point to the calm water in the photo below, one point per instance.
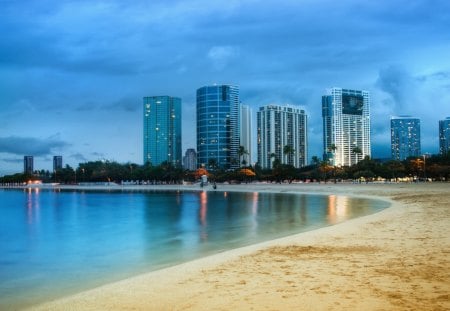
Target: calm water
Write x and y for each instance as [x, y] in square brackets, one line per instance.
[55, 243]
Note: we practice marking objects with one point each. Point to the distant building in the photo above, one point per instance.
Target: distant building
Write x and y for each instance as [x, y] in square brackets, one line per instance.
[218, 126]
[190, 160]
[405, 137]
[245, 126]
[57, 163]
[444, 136]
[28, 164]
[346, 126]
[279, 127]
[162, 130]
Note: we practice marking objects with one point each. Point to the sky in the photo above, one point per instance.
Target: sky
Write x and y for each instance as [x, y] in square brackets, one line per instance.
[73, 73]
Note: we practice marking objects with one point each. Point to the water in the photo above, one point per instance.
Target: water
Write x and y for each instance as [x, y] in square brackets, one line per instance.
[56, 243]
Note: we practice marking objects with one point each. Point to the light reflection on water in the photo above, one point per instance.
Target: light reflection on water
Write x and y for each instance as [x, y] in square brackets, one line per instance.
[55, 243]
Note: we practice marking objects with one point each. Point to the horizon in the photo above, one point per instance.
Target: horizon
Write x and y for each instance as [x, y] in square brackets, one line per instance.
[71, 91]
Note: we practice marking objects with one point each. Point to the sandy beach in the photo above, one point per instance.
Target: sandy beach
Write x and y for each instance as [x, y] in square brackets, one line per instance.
[397, 259]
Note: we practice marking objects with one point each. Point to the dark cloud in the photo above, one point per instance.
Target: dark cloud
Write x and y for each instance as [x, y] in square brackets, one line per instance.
[78, 157]
[397, 82]
[30, 145]
[124, 104]
[13, 160]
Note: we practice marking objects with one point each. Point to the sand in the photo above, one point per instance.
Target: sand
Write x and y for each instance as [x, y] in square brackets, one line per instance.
[397, 259]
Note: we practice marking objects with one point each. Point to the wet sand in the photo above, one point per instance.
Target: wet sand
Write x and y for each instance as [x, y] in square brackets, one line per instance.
[397, 259]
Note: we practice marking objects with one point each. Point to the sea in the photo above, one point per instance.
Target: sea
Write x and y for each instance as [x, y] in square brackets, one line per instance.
[54, 243]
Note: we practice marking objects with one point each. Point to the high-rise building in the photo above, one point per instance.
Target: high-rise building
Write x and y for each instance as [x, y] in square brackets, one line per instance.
[346, 126]
[245, 125]
[282, 135]
[218, 126]
[444, 136]
[190, 160]
[405, 137]
[57, 163]
[28, 164]
[162, 130]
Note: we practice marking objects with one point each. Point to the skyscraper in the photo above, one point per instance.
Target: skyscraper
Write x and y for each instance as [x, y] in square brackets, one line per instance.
[444, 136]
[279, 127]
[162, 130]
[346, 126]
[405, 137]
[57, 163]
[218, 126]
[245, 125]
[190, 160]
[28, 164]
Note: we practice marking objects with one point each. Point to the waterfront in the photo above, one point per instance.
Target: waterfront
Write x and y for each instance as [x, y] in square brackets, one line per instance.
[57, 242]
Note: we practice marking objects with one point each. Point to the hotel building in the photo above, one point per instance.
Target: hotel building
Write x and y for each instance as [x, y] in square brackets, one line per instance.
[190, 160]
[245, 126]
[346, 126]
[405, 137]
[57, 163]
[444, 136]
[218, 137]
[28, 164]
[277, 128]
[162, 130]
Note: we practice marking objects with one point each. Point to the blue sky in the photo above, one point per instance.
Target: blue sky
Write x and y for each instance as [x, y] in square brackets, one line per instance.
[73, 73]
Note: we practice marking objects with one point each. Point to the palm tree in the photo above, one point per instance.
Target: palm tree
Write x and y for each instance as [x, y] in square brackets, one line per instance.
[357, 151]
[273, 157]
[241, 152]
[332, 148]
[315, 160]
[288, 151]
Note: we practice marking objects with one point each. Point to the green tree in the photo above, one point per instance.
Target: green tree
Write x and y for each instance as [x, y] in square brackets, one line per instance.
[289, 151]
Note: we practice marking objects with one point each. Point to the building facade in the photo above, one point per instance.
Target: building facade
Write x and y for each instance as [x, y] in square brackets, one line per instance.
[28, 164]
[405, 137]
[278, 127]
[346, 126]
[162, 130]
[444, 136]
[245, 126]
[190, 160]
[218, 137]
[57, 163]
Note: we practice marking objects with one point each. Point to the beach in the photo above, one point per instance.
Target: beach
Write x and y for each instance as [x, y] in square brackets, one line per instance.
[397, 259]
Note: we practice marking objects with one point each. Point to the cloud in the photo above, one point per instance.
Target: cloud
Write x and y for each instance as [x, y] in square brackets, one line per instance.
[13, 160]
[398, 83]
[78, 157]
[30, 145]
[124, 104]
[222, 55]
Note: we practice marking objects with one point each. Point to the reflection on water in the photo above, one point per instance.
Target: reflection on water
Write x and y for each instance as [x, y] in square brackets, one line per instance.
[55, 243]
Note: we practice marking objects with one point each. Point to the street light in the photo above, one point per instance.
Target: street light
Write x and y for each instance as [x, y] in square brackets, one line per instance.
[424, 167]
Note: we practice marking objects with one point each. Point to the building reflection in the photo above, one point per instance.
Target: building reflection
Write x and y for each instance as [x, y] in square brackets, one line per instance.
[32, 205]
[203, 215]
[337, 208]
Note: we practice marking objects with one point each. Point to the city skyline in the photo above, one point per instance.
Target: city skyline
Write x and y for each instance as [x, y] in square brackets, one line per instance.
[71, 91]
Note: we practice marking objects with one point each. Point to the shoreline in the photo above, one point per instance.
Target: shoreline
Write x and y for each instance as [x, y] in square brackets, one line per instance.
[227, 274]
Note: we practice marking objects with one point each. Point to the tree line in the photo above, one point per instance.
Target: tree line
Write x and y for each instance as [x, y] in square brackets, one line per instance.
[436, 167]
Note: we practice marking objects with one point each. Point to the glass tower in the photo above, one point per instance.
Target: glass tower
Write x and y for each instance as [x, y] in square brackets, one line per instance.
[279, 127]
[162, 130]
[28, 164]
[57, 163]
[444, 136]
[405, 137]
[218, 126]
[346, 126]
